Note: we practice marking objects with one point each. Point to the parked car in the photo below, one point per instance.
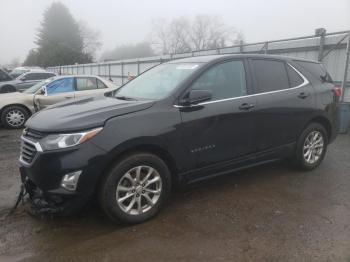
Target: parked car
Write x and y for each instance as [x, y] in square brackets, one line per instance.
[4, 76]
[25, 81]
[16, 72]
[16, 108]
[179, 122]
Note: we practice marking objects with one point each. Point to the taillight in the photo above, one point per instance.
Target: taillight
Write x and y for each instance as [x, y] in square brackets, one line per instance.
[336, 91]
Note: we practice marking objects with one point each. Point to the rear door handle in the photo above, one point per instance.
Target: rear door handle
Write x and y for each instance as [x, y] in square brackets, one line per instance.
[303, 95]
[68, 97]
[246, 106]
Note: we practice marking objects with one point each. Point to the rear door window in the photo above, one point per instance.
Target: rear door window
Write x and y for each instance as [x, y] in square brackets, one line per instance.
[32, 76]
[86, 83]
[270, 75]
[62, 85]
[44, 75]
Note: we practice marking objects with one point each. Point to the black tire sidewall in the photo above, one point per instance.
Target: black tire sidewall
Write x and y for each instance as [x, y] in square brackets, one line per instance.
[300, 161]
[10, 108]
[107, 194]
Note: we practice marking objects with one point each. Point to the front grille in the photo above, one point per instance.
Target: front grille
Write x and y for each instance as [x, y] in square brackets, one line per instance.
[32, 134]
[28, 152]
[30, 145]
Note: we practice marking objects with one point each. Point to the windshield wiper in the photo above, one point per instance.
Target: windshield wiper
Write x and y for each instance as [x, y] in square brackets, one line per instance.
[126, 98]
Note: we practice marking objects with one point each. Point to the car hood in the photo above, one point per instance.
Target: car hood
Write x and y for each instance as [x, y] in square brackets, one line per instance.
[83, 114]
[12, 94]
[14, 97]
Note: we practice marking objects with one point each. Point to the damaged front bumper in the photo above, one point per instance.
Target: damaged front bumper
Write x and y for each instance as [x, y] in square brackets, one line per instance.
[39, 202]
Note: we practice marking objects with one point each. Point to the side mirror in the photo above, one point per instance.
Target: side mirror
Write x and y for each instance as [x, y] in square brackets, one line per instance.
[109, 93]
[43, 90]
[195, 97]
[23, 78]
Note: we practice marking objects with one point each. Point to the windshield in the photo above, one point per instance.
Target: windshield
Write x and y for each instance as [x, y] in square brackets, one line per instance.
[18, 72]
[158, 82]
[37, 86]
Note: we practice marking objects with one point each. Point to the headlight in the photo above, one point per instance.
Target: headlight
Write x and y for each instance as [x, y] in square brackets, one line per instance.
[57, 141]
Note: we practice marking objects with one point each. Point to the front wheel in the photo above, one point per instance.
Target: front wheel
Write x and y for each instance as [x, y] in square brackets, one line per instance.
[14, 117]
[135, 189]
[311, 147]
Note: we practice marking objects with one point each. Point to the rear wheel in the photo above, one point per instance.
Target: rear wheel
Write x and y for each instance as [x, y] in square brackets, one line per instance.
[135, 189]
[14, 117]
[311, 147]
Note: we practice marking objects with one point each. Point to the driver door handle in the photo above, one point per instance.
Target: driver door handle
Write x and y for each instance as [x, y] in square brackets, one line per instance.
[246, 106]
[303, 95]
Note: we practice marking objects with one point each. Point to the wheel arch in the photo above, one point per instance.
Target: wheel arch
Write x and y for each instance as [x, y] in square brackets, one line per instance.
[151, 148]
[326, 123]
[16, 104]
[8, 85]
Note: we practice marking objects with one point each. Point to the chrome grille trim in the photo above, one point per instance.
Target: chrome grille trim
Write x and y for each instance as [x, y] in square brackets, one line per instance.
[29, 150]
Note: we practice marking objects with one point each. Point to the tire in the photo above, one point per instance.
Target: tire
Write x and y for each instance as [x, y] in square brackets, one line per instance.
[118, 185]
[14, 117]
[311, 147]
[8, 89]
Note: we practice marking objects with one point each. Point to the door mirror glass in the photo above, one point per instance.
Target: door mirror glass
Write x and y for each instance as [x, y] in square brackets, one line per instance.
[196, 96]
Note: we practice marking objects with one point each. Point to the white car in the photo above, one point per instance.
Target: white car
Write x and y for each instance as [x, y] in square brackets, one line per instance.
[16, 107]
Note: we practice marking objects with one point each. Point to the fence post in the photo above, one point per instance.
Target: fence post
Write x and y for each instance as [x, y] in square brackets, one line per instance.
[266, 47]
[343, 87]
[241, 46]
[109, 71]
[138, 67]
[321, 32]
[122, 68]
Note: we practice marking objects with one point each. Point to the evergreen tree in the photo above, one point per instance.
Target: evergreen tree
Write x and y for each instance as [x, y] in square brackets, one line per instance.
[59, 39]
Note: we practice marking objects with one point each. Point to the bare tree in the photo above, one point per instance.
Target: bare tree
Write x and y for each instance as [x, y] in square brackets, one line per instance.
[160, 35]
[91, 38]
[179, 35]
[202, 32]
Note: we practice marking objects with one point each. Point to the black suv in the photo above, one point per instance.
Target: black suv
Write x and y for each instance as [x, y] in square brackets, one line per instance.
[181, 121]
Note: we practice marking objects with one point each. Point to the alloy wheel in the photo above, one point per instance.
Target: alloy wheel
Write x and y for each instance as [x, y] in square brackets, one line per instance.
[313, 147]
[139, 190]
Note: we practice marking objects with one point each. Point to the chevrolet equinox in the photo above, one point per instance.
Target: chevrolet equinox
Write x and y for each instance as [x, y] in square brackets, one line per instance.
[179, 122]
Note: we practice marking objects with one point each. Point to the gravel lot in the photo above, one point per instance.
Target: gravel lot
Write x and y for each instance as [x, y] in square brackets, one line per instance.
[268, 213]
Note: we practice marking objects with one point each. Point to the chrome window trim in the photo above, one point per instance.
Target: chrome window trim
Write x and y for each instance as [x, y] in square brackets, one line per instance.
[306, 82]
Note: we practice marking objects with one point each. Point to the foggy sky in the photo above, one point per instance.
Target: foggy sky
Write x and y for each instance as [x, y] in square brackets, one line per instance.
[122, 21]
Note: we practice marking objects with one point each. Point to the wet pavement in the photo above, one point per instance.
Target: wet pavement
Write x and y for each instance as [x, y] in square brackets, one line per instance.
[268, 213]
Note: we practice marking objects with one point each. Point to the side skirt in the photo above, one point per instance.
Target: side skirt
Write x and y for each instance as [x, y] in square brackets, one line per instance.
[236, 164]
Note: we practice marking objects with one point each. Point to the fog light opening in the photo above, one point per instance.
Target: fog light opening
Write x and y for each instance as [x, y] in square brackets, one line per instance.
[70, 180]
